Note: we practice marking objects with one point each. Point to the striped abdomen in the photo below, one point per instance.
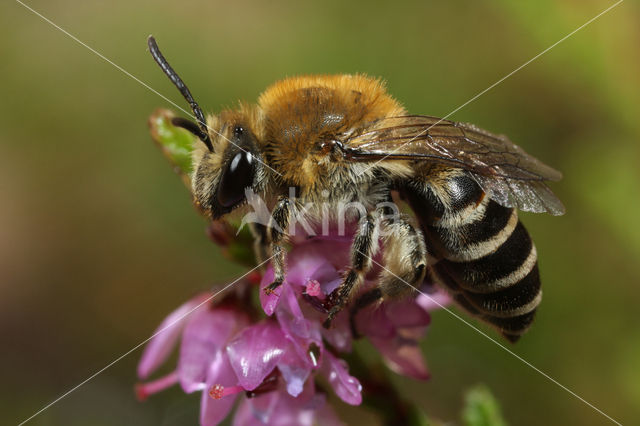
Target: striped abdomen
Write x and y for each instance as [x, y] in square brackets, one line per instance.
[485, 256]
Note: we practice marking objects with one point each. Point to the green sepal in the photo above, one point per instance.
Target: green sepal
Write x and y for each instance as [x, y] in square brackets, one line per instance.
[175, 143]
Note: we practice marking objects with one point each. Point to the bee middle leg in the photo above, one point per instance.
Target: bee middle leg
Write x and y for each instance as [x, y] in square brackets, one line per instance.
[364, 246]
[404, 264]
[278, 225]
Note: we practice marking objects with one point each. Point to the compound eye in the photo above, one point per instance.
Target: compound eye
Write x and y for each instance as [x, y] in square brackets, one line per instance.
[236, 177]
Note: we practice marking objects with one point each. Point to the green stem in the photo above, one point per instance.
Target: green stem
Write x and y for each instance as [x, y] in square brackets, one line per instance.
[380, 395]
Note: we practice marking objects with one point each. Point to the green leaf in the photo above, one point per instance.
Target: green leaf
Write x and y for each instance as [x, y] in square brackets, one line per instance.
[481, 408]
[175, 143]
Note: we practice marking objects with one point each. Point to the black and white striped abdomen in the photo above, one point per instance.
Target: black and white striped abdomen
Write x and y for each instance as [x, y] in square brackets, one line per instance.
[485, 256]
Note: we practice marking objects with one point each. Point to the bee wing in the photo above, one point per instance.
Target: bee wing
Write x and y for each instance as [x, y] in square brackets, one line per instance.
[512, 177]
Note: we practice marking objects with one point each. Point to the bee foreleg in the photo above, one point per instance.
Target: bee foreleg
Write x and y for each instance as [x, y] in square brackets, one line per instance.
[278, 225]
[404, 265]
[363, 248]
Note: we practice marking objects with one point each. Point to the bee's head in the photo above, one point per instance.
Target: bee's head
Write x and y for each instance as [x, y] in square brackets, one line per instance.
[222, 176]
[227, 163]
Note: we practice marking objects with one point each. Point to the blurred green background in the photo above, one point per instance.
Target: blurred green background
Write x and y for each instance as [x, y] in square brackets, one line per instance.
[98, 238]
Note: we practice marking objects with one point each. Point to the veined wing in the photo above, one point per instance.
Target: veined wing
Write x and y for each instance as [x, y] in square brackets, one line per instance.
[512, 177]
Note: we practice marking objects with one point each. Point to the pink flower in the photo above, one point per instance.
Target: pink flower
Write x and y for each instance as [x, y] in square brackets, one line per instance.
[394, 328]
[226, 350]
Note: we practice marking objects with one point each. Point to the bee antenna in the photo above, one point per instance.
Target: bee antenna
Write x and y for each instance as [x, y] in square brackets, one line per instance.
[202, 132]
[187, 125]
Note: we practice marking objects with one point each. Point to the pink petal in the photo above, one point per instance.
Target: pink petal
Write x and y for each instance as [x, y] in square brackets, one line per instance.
[295, 377]
[257, 411]
[203, 337]
[280, 409]
[305, 269]
[290, 315]
[318, 258]
[255, 351]
[402, 356]
[407, 313]
[295, 372]
[329, 286]
[436, 300]
[243, 415]
[326, 416]
[309, 261]
[373, 321]
[347, 387]
[339, 335]
[144, 390]
[166, 336]
[300, 331]
[213, 411]
[292, 412]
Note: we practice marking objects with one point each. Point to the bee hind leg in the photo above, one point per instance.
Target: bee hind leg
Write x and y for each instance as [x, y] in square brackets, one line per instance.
[403, 268]
[277, 227]
[363, 248]
[404, 259]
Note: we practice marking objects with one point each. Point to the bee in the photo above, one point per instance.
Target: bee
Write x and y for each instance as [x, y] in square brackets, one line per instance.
[343, 138]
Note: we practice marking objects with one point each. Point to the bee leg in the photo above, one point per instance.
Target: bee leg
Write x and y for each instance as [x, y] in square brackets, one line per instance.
[363, 248]
[277, 227]
[404, 261]
[260, 243]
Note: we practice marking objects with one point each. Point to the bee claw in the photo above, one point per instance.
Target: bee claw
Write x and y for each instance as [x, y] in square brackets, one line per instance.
[332, 313]
[327, 323]
[271, 288]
